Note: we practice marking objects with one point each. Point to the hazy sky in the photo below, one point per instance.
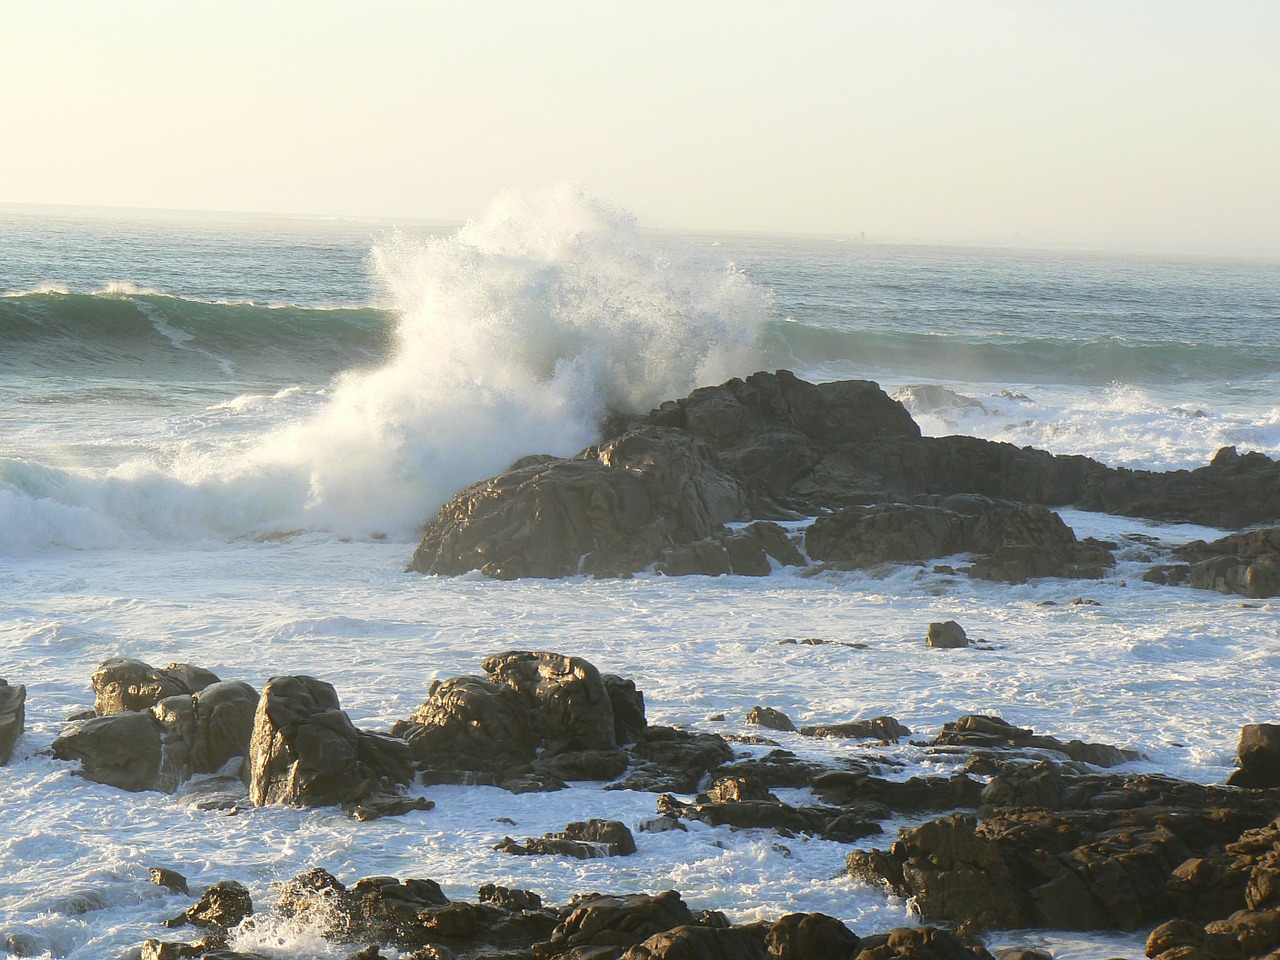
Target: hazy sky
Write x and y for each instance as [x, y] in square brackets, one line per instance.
[1147, 123]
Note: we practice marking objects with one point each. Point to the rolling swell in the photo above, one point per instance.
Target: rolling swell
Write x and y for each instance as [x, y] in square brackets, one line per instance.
[1014, 359]
[65, 332]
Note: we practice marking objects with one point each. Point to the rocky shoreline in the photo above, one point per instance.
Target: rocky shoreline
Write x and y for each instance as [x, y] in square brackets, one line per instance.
[1008, 828]
[659, 492]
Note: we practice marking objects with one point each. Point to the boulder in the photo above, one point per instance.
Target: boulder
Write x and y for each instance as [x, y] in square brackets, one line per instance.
[877, 728]
[567, 700]
[305, 751]
[695, 942]
[599, 921]
[470, 723]
[12, 717]
[609, 511]
[771, 718]
[122, 683]
[810, 936]
[119, 749]
[583, 840]
[202, 732]
[221, 907]
[948, 635]
[1259, 756]
[1246, 563]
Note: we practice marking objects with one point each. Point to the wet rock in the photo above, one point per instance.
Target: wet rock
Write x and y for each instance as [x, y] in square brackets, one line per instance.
[305, 750]
[202, 732]
[470, 723]
[771, 718]
[569, 705]
[122, 684]
[1105, 861]
[856, 788]
[1246, 563]
[810, 936]
[947, 635]
[171, 880]
[831, 823]
[980, 731]
[877, 728]
[583, 840]
[508, 898]
[628, 708]
[13, 701]
[667, 759]
[121, 750]
[599, 921]
[221, 907]
[609, 511]
[920, 943]
[696, 942]
[1259, 756]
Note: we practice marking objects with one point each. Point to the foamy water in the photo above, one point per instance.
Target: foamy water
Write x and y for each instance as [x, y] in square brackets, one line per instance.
[216, 507]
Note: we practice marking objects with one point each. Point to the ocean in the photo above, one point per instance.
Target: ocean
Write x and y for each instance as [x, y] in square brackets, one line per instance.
[220, 434]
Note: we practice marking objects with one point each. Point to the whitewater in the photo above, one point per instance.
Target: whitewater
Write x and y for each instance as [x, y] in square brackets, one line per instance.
[220, 435]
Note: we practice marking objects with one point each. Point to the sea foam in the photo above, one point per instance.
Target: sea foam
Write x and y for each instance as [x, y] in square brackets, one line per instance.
[515, 335]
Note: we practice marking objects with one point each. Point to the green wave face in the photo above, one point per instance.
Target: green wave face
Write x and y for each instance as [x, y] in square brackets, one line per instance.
[101, 332]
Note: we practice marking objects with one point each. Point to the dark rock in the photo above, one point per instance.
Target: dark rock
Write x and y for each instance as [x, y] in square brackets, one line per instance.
[583, 840]
[947, 635]
[771, 718]
[848, 788]
[920, 943]
[1259, 754]
[305, 750]
[628, 708]
[120, 749]
[171, 880]
[121, 684]
[202, 732]
[1246, 563]
[831, 823]
[977, 730]
[609, 511]
[509, 899]
[774, 541]
[12, 718]
[1099, 862]
[470, 723]
[221, 907]
[696, 942]
[570, 707]
[877, 728]
[811, 936]
[598, 921]
[667, 759]
[746, 557]
[736, 790]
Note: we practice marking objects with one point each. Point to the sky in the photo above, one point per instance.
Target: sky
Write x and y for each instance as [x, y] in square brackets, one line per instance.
[1110, 124]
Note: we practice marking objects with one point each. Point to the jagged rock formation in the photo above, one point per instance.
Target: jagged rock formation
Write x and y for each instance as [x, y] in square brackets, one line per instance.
[659, 489]
[1244, 563]
[305, 751]
[146, 737]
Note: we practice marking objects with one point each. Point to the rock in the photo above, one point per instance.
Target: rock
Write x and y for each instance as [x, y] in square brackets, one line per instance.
[598, 921]
[746, 557]
[628, 708]
[1102, 860]
[831, 823]
[120, 749]
[1259, 756]
[1246, 563]
[12, 718]
[667, 759]
[509, 899]
[305, 750]
[877, 728]
[583, 840]
[609, 511]
[775, 542]
[570, 707]
[977, 730]
[222, 907]
[470, 723]
[202, 732]
[700, 943]
[920, 943]
[947, 635]
[121, 684]
[171, 880]
[811, 936]
[771, 718]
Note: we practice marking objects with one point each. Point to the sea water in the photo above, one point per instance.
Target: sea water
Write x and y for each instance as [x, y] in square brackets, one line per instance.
[219, 436]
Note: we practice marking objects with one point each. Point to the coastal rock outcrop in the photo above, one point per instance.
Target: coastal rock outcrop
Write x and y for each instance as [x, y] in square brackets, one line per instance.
[583, 840]
[1094, 852]
[13, 713]
[1246, 563]
[659, 489]
[305, 750]
[535, 720]
[163, 744]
